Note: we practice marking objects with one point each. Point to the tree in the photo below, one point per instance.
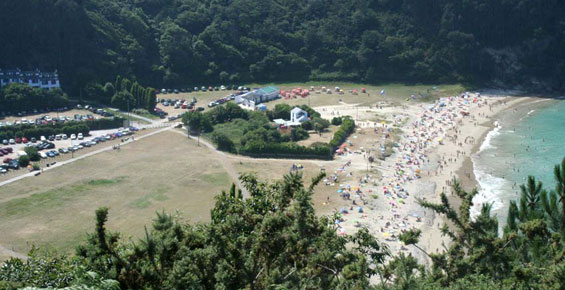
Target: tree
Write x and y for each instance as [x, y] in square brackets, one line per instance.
[336, 121]
[223, 142]
[23, 161]
[32, 153]
[320, 124]
[281, 111]
[196, 123]
[151, 99]
[123, 100]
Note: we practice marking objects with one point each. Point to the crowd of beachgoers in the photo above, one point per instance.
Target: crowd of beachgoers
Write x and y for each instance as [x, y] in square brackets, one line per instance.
[436, 138]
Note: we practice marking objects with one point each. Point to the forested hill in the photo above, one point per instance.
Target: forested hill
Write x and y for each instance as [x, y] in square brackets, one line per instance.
[184, 42]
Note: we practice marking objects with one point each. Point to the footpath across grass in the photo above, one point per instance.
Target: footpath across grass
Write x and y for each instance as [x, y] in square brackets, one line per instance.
[162, 172]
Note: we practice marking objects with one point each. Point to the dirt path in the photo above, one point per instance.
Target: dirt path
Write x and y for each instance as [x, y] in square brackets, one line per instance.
[224, 160]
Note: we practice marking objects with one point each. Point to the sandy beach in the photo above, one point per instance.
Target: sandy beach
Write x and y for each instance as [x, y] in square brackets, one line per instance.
[436, 144]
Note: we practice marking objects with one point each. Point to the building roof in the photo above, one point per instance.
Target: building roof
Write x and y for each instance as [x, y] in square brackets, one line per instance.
[269, 90]
[297, 110]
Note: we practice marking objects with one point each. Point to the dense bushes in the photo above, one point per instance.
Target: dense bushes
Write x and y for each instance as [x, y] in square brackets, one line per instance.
[105, 123]
[223, 142]
[21, 97]
[298, 133]
[341, 135]
[32, 153]
[285, 150]
[73, 127]
[336, 121]
[23, 161]
[180, 43]
[126, 95]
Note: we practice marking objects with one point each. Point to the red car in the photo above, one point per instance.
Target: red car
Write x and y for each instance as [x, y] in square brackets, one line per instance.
[18, 140]
[7, 160]
[24, 140]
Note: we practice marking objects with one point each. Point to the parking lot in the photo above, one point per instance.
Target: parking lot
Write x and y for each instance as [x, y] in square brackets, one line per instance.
[60, 149]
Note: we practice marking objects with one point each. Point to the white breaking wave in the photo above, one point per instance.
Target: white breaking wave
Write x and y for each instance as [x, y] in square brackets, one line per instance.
[491, 190]
[487, 143]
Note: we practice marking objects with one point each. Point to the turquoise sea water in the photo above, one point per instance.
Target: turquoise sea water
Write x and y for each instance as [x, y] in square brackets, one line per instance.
[529, 141]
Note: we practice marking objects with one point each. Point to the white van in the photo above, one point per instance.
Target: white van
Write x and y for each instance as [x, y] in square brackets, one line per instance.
[22, 153]
[43, 138]
[42, 155]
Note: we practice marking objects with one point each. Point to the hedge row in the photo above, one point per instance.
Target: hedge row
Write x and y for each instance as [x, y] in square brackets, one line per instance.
[105, 123]
[285, 150]
[73, 127]
[346, 128]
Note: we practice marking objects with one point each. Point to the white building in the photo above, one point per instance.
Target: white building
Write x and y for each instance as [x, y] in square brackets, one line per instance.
[256, 97]
[36, 79]
[297, 117]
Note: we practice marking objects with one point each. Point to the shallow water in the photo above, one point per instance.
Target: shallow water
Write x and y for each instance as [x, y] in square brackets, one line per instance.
[529, 141]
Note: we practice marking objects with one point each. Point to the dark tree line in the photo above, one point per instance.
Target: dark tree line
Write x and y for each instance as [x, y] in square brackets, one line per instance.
[190, 42]
[16, 98]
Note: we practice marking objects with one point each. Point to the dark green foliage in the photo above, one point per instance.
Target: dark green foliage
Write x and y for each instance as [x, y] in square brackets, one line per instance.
[197, 122]
[32, 153]
[298, 133]
[21, 97]
[336, 121]
[123, 100]
[280, 111]
[347, 127]
[177, 42]
[223, 142]
[50, 271]
[320, 124]
[285, 150]
[272, 238]
[23, 161]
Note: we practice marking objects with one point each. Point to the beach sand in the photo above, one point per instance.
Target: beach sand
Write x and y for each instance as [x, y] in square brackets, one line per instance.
[395, 208]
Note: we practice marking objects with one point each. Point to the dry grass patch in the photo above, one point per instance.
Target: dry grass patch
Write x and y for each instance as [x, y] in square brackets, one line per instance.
[162, 172]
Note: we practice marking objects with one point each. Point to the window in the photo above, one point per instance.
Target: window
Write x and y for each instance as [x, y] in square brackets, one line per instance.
[53, 82]
[45, 82]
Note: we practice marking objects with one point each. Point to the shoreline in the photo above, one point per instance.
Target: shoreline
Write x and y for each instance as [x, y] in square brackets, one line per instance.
[480, 123]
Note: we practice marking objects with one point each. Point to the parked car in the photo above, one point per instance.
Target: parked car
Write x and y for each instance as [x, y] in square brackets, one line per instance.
[80, 136]
[73, 137]
[64, 136]
[5, 142]
[12, 141]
